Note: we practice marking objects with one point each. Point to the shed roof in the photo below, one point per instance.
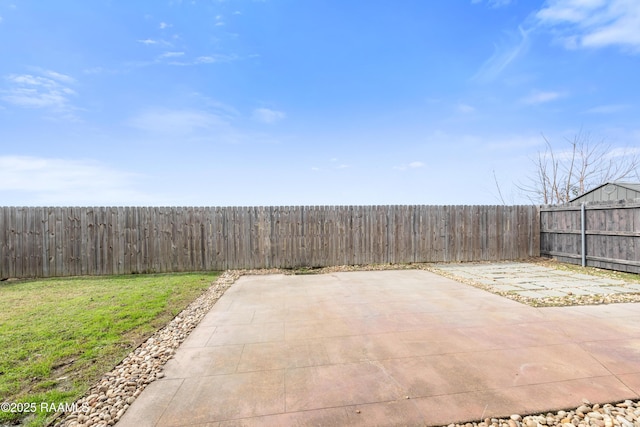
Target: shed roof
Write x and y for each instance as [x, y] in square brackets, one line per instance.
[633, 186]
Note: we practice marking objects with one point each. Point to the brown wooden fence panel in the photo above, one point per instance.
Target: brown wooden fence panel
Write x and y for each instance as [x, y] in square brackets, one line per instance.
[68, 241]
[612, 233]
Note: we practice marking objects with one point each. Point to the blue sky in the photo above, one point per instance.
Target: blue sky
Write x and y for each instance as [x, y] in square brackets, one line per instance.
[314, 102]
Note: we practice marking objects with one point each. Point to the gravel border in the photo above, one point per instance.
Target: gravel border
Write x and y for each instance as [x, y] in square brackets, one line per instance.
[107, 401]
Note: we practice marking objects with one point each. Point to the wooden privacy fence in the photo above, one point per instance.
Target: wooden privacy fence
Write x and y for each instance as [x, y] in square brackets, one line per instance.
[69, 241]
[611, 233]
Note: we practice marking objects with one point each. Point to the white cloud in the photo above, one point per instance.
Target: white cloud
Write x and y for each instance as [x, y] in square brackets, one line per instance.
[608, 109]
[206, 59]
[93, 70]
[155, 42]
[214, 124]
[221, 109]
[494, 3]
[593, 23]
[499, 3]
[176, 121]
[1, 19]
[540, 97]
[51, 181]
[179, 58]
[164, 25]
[503, 55]
[623, 152]
[33, 91]
[268, 116]
[58, 76]
[412, 165]
[465, 108]
[31, 98]
[148, 41]
[171, 55]
[210, 59]
[514, 142]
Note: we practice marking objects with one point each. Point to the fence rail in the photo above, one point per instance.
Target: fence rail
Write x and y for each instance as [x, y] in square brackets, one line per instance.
[612, 235]
[70, 241]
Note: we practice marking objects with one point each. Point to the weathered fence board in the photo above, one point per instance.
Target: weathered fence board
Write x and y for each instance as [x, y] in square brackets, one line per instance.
[612, 233]
[59, 241]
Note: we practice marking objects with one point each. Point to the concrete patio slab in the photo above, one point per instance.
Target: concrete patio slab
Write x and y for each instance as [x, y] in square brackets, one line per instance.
[405, 348]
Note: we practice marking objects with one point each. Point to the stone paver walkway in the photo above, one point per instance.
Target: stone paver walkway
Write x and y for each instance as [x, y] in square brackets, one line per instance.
[535, 281]
[388, 348]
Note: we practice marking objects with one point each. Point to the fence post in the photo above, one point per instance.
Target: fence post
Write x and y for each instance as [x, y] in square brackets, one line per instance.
[583, 233]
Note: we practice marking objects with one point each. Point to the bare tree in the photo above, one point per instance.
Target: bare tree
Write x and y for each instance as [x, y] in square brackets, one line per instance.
[562, 175]
[495, 179]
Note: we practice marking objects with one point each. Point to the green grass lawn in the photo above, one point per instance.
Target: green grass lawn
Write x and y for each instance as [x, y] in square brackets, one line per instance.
[58, 336]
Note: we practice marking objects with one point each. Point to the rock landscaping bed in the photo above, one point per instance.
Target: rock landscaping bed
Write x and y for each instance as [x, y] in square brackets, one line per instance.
[624, 414]
[107, 401]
